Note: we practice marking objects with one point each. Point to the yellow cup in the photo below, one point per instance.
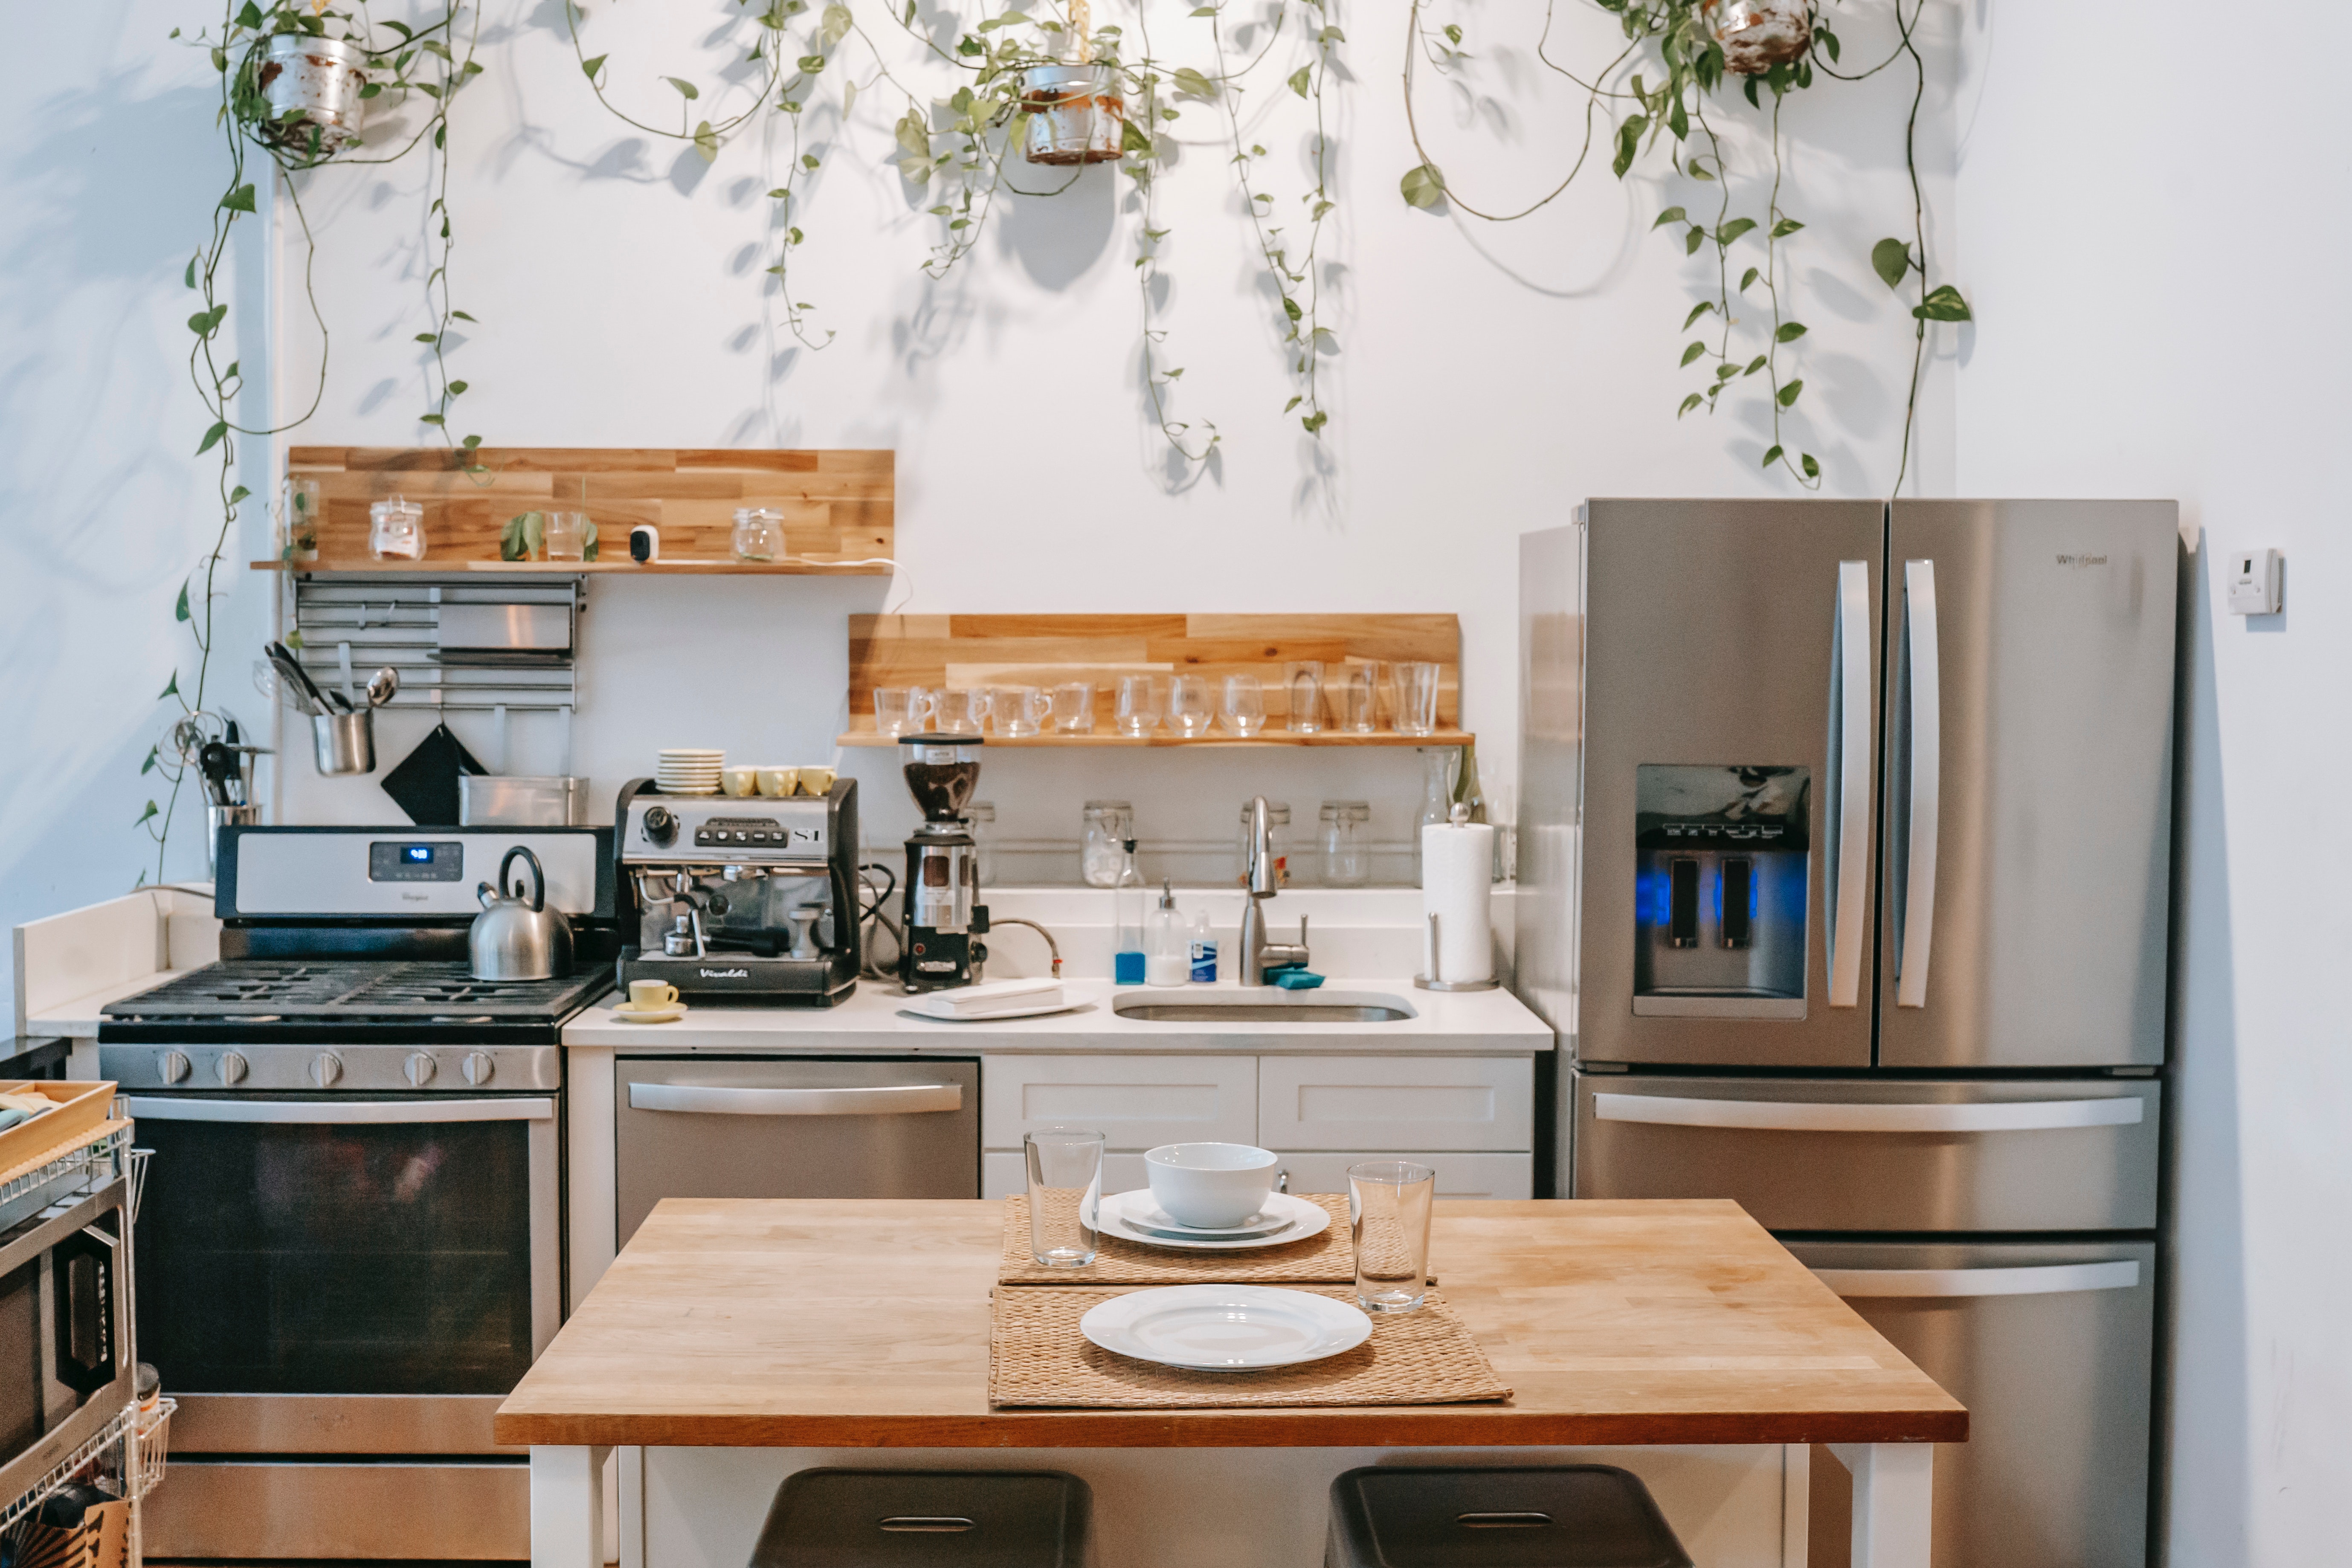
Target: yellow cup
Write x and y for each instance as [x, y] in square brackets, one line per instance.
[817, 781]
[648, 995]
[778, 782]
[739, 782]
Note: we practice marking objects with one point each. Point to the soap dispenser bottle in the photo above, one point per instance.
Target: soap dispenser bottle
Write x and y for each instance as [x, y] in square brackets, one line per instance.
[1167, 956]
[1203, 950]
[1127, 921]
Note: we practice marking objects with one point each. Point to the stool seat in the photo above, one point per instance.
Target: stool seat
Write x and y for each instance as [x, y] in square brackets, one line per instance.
[928, 1518]
[1556, 1516]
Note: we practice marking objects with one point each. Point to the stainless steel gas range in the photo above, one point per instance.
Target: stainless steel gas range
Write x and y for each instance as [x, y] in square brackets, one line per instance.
[352, 1248]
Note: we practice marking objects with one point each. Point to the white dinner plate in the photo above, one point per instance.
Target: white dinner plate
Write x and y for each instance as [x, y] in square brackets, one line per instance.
[632, 1014]
[944, 1016]
[1135, 1216]
[1225, 1328]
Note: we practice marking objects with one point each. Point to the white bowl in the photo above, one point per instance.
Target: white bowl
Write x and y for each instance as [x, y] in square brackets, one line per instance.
[1210, 1186]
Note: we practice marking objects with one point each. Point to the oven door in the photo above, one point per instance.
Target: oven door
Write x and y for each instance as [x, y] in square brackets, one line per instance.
[356, 1275]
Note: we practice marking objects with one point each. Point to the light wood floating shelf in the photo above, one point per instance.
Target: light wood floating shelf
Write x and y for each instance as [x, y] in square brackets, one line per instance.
[838, 507]
[959, 651]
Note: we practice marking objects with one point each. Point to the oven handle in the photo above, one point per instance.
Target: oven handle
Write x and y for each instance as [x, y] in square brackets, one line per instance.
[338, 1112]
[730, 1099]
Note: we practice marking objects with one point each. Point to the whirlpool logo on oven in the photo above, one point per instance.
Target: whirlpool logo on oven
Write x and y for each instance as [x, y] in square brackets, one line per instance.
[2079, 562]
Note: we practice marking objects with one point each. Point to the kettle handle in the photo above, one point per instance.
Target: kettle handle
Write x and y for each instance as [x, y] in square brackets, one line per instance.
[537, 876]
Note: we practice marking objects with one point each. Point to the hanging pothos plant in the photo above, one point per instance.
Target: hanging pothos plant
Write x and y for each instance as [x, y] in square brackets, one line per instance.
[1665, 86]
[296, 82]
[962, 148]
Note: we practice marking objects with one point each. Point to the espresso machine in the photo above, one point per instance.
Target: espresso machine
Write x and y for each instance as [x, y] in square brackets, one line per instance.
[943, 921]
[749, 900]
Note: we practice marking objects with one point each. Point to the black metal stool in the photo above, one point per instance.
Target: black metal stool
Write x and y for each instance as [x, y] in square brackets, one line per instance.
[1555, 1516]
[928, 1518]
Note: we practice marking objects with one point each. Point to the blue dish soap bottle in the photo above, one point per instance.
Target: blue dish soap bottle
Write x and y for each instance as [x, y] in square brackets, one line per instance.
[1127, 921]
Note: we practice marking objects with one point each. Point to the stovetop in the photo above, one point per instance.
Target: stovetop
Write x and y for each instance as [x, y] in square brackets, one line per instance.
[356, 999]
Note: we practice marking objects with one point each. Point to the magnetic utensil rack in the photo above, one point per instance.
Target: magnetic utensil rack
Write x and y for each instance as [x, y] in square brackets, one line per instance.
[130, 1450]
[960, 651]
[398, 621]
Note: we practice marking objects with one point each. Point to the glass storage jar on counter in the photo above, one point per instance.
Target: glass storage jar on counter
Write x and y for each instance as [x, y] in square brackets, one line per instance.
[1345, 830]
[981, 815]
[1279, 813]
[1102, 846]
[396, 530]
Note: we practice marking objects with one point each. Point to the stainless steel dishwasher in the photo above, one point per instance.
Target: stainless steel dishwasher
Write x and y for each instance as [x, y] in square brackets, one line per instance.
[792, 1127]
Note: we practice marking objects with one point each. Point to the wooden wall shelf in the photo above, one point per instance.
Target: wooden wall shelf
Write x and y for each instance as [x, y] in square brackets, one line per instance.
[959, 651]
[838, 507]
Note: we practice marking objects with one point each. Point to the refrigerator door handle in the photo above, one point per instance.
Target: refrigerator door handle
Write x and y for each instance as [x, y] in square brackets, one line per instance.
[2048, 1280]
[1815, 1116]
[1919, 935]
[1850, 651]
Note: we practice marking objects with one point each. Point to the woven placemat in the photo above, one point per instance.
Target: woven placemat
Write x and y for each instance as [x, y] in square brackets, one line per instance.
[1037, 1358]
[1326, 1259]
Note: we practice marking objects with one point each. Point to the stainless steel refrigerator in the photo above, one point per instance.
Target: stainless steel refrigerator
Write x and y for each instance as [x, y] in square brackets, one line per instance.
[1845, 879]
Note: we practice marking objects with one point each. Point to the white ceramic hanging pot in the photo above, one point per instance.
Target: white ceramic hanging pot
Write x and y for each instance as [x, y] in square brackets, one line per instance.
[319, 81]
[1758, 35]
[1071, 114]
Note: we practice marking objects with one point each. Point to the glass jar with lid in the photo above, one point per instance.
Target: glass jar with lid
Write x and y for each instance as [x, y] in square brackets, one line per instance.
[1278, 814]
[396, 530]
[1102, 846]
[759, 533]
[982, 817]
[1344, 828]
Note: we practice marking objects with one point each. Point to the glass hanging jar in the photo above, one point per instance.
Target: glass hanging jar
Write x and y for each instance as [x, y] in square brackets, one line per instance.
[1758, 35]
[1108, 825]
[396, 530]
[759, 533]
[1345, 827]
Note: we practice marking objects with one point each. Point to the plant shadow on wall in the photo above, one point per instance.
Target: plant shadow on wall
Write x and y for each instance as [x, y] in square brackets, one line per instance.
[1683, 72]
[297, 82]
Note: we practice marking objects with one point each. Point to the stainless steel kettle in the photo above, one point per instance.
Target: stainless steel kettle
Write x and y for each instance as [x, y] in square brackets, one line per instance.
[515, 938]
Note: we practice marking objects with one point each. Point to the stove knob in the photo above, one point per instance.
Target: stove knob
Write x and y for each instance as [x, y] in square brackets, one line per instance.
[478, 1067]
[326, 1068]
[420, 1068]
[231, 1067]
[174, 1067]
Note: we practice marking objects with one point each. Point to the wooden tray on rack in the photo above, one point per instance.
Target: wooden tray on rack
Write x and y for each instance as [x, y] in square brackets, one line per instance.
[80, 1109]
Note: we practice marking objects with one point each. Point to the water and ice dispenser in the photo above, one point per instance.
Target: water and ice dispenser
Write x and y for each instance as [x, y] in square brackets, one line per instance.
[1721, 856]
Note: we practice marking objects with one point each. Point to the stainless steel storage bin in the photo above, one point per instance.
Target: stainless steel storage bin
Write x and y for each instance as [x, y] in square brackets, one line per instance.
[499, 800]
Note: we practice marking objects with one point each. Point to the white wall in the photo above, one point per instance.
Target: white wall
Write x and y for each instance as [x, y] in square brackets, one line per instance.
[2158, 282]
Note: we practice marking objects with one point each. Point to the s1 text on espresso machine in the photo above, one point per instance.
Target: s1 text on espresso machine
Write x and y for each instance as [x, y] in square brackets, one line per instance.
[751, 899]
[943, 919]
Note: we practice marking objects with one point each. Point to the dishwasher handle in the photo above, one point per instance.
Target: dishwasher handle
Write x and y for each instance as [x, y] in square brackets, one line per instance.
[1812, 1116]
[2045, 1280]
[741, 1099]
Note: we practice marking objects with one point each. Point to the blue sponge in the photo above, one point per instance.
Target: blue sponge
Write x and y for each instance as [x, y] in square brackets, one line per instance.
[1296, 979]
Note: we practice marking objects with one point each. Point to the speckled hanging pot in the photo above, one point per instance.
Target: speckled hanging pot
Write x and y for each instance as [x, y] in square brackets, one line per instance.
[312, 84]
[1758, 35]
[1071, 114]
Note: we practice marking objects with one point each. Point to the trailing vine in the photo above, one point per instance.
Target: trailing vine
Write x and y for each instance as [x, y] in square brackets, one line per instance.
[1776, 47]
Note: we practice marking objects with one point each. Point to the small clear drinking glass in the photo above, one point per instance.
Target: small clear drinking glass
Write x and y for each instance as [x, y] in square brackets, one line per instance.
[1356, 698]
[1244, 709]
[1139, 710]
[894, 710]
[1416, 698]
[1065, 1190]
[957, 711]
[565, 535]
[1189, 707]
[1074, 707]
[1388, 1210]
[759, 533]
[1019, 711]
[1303, 694]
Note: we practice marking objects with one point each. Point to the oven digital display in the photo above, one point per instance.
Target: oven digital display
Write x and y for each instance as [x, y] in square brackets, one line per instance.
[440, 861]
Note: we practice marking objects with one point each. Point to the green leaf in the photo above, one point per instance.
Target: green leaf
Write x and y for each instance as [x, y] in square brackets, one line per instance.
[686, 89]
[593, 67]
[706, 143]
[1747, 277]
[248, 15]
[1693, 240]
[1190, 83]
[1693, 351]
[238, 494]
[461, 316]
[519, 539]
[1790, 332]
[1300, 80]
[1315, 421]
[1733, 230]
[171, 687]
[1789, 393]
[456, 388]
[1771, 456]
[240, 200]
[1701, 309]
[1943, 304]
[149, 765]
[1672, 214]
[191, 278]
[1828, 40]
[1693, 401]
[212, 436]
[179, 610]
[835, 23]
[1758, 363]
[427, 337]
[1805, 461]
[143, 816]
[1422, 187]
[1891, 259]
[1785, 227]
[1629, 142]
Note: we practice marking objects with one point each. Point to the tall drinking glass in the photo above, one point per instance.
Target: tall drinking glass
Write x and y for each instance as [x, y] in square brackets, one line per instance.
[1416, 698]
[1304, 697]
[1244, 708]
[1064, 1189]
[1388, 1209]
[1356, 698]
[1138, 712]
[1189, 707]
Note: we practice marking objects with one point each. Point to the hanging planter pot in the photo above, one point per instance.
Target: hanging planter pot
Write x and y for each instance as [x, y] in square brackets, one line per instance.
[313, 84]
[1758, 35]
[1071, 114]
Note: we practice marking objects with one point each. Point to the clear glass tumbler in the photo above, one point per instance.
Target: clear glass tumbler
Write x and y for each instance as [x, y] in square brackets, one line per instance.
[565, 535]
[1388, 1210]
[1416, 698]
[1138, 709]
[1356, 698]
[1244, 708]
[759, 533]
[895, 712]
[1303, 694]
[1108, 825]
[1074, 707]
[1189, 706]
[1346, 828]
[1065, 1190]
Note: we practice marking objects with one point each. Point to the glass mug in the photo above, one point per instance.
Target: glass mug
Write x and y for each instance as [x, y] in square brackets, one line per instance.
[1074, 707]
[895, 712]
[947, 710]
[1018, 710]
[1189, 708]
[1137, 711]
[1244, 708]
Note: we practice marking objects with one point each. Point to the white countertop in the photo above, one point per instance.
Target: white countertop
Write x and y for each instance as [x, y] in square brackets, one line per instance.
[876, 1020]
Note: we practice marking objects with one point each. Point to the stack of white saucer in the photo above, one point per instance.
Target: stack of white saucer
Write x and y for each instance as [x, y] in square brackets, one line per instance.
[689, 771]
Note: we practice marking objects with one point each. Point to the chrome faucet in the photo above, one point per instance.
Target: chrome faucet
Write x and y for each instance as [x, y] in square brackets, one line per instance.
[1264, 881]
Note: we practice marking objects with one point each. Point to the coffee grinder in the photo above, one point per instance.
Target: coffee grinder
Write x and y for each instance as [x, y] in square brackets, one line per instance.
[943, 923]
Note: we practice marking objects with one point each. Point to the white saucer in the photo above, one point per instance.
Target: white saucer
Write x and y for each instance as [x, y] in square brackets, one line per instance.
[1225, 1328]
[632, 1014]
[915, 1005]
[1126, 1215]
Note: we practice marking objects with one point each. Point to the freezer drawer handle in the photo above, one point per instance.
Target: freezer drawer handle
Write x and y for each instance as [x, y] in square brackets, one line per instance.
[732, 1100]
[1850, 648]
[338, 1112]
[1917, 937]
[2050, 1280]
[1808, 1116]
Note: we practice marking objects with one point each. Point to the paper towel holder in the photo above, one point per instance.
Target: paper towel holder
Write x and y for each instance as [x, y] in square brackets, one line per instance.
[1430, 982]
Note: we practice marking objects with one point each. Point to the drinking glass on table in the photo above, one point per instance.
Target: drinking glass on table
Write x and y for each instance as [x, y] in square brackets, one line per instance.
[1064, 1188]
[1388, 1210]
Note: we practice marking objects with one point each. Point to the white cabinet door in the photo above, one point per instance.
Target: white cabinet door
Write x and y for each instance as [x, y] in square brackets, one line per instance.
[1135, 1103]
[1003, 1174]
[1396, 1102]
[1458, 1175]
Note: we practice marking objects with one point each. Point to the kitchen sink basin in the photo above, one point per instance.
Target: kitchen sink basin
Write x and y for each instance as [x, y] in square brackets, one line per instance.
[1264, 1004]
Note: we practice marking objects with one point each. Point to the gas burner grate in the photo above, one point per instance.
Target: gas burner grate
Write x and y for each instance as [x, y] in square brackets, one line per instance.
[356, 992]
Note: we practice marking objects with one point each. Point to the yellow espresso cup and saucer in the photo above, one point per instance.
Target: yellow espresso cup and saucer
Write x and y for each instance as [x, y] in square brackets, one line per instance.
[651, 1002]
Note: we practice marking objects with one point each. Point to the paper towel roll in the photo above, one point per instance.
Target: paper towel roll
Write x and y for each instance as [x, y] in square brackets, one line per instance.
[1457, 866]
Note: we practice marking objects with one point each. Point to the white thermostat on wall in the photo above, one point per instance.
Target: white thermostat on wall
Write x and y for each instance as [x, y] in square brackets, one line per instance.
[2256, 579]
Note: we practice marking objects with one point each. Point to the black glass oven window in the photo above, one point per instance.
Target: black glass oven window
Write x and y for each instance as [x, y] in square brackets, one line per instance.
[377, 1259]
